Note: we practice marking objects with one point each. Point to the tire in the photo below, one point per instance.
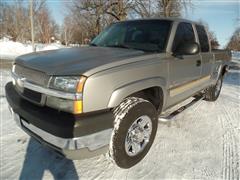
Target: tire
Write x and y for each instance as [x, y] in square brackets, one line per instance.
[213, 92]
[130, 133]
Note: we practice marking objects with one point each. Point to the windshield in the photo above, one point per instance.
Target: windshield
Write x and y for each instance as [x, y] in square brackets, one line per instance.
[148, 35]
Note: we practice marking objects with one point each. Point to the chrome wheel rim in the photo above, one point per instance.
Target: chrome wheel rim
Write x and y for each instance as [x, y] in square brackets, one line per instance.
[138, 135]
[218, 86]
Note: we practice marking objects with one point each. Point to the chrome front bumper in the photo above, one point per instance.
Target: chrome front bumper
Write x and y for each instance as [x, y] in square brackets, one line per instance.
[72, 148]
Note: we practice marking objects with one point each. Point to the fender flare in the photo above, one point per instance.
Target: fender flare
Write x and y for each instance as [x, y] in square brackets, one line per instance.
[124, 91]
[223, 68]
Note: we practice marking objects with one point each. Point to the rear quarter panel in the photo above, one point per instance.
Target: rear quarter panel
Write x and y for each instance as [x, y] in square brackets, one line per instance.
[221, 60]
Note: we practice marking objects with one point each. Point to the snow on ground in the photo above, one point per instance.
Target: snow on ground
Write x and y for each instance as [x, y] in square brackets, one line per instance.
[202, 142]
[236, 55]
[10, 49]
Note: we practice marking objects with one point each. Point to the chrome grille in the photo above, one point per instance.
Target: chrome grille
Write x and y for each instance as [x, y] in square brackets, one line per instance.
[31, 75]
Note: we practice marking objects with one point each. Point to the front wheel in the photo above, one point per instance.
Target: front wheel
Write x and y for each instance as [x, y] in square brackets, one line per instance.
[213, 92]
[135, 127]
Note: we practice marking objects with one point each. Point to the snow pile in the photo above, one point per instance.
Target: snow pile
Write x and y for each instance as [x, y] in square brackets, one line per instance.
[236, 55]
[10, 49]
[46, 47]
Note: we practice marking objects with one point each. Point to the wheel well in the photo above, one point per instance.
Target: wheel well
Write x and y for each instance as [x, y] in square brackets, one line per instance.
[152, 94]
[224, 70]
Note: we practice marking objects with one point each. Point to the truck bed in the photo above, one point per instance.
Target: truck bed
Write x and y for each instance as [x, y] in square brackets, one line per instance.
[222, 54]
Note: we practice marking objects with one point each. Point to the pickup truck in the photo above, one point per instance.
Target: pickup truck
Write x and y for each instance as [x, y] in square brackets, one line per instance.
[107, 97]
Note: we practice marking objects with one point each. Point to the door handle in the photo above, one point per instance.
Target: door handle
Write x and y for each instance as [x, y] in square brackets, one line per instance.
[198, 63]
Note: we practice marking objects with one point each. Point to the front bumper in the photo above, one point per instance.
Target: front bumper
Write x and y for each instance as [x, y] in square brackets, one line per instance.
[74, 136]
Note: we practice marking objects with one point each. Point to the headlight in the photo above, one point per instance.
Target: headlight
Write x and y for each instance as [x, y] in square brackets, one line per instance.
[70, 84]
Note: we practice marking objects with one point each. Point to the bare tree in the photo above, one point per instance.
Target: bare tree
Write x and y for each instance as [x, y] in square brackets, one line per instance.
[170, 8]
[4, 18]
[145, 9]
[46, 25]
[15, 21]
[160, 8]
[234, 43]
[99, 13]
[71, 31]
[92, 16]
[213, 40]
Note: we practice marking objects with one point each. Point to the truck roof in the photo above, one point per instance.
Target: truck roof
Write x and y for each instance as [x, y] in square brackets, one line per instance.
[165, 18]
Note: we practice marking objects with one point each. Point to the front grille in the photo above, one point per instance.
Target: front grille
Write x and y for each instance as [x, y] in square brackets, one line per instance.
[32, 95]
[31, 75]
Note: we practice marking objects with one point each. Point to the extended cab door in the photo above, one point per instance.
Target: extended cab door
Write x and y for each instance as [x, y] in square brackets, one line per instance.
[206, 56]
[184, 70]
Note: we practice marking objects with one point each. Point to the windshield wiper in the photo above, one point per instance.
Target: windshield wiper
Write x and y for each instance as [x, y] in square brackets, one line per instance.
[119, 46]
[129, 47]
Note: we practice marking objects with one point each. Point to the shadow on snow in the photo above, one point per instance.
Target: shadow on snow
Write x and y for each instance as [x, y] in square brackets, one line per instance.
[39, 159]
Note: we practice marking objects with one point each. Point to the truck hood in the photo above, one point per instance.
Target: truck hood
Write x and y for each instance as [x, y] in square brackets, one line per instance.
[75, 61]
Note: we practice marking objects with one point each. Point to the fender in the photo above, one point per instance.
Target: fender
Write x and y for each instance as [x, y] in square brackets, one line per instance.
[122, 92]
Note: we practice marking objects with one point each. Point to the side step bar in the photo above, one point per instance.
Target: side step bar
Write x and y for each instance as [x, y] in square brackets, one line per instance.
[170, 114]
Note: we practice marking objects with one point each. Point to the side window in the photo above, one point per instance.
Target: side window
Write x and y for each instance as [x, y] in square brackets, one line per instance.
[184, 34]
[203, 38]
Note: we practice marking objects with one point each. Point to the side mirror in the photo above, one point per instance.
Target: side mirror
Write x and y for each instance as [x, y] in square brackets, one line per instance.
[187, 49]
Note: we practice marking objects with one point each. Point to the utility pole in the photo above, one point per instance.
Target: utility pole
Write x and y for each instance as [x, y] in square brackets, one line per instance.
[31, 21]
[65, 35]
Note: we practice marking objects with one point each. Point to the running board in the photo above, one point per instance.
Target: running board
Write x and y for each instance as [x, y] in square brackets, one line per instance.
[168, 115]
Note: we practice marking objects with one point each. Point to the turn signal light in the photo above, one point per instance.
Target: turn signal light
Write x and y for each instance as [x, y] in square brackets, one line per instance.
[77, 107]
[81, 84]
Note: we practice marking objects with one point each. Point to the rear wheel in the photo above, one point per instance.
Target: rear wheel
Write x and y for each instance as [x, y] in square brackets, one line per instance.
[213, 92]
[135, 127]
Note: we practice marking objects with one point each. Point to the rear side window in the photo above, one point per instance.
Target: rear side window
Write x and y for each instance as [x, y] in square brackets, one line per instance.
[184, 34]
[203, 38]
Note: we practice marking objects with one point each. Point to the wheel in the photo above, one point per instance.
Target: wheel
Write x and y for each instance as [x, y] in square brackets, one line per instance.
[212, 93]
[135, 127]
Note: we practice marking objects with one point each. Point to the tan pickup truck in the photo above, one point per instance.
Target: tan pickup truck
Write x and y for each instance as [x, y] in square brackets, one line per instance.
[107, 97]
